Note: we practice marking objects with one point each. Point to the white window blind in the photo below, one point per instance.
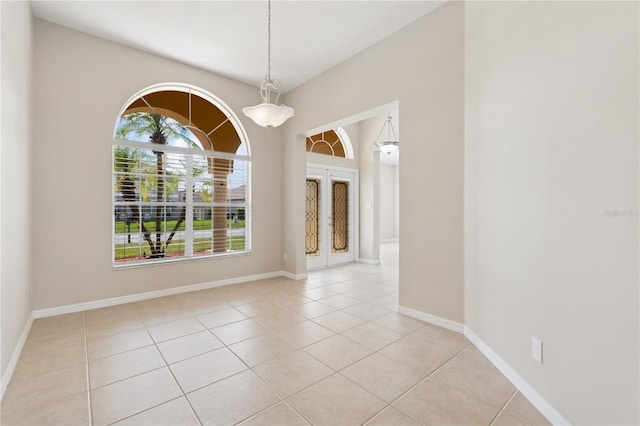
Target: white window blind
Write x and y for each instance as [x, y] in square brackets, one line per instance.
[173, 203]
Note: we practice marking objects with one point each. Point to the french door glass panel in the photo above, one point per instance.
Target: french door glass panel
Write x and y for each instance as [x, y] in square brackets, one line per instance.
[329, 217]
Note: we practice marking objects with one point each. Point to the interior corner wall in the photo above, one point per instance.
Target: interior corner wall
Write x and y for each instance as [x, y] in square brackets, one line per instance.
[551, 205]
[15, 174]
[82, 82]
[422, 67]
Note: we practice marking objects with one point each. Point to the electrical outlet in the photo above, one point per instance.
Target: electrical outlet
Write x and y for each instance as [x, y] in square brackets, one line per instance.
[31, 290]
[285, 257]
[536, 349]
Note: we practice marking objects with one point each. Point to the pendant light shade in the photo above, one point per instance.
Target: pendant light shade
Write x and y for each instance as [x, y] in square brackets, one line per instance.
[269, 114]
[388, 144]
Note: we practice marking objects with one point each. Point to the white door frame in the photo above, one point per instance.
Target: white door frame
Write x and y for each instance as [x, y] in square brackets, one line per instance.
[325, 173]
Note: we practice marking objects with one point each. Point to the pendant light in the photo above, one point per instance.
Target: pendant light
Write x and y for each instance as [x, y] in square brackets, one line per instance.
[268, 114]
[389, 144]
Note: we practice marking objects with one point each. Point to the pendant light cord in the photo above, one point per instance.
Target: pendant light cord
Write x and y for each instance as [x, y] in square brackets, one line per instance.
[269, 41]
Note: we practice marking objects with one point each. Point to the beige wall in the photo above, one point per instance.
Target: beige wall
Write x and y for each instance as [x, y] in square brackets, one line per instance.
[427, 79]
[551, 150]
[369, 162]
[15, 174]
[82, 82]
[388, 201]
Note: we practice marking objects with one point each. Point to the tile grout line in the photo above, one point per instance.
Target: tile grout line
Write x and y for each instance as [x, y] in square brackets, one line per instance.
[86, 359]
[170, 372]
[501, 410]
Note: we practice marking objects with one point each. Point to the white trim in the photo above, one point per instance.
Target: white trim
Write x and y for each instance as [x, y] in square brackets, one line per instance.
[103, 303]
[390, 240]
[525, 388]
[432, 319]
[368, 261]
[8, 373]
[292, 276]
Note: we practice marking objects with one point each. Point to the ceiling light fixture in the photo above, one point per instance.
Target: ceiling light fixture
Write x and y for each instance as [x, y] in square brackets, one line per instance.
[389, 145]
[268, 114]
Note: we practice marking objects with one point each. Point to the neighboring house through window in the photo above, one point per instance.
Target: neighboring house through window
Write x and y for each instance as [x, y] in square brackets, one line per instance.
[181, 175]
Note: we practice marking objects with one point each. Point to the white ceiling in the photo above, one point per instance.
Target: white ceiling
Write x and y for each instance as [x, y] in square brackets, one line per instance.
[230, 37]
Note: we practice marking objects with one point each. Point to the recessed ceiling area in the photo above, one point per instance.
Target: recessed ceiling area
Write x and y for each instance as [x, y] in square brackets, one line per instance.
[229, 38]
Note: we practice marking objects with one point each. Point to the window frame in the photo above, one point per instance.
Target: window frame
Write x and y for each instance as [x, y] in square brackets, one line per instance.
[245, 157]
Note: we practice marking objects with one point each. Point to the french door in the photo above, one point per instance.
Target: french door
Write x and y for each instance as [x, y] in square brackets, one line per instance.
[329, 222]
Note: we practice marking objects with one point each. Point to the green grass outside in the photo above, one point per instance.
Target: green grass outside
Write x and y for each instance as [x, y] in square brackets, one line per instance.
[127, 251]
[121, 227]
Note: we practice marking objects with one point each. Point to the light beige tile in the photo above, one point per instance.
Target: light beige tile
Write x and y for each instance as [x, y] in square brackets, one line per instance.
[448, 339]
[506, 420]
[372, 336]
[176, 412]
[520, 408]
[73, 410]
[470, 372]
[336, 401]
[290, 303]
[367, 311]
[46, 388]
[173, 329]
[293, 372]
[118, 343]
[122, 399]
[338, 352]
[319, 293]
[339, 301]
[260, 349]
[201, 370]
[55, 338]
[113, 326]
[279, 319]
[417, 354]
[382, 376]
[238, 331]
[432, 403]
[388, 302]
[57, 358]
[255, 309]
[222, 317]
[391, 417]
[313, 309]
[303, 333]
[362, 294]
[399, 323]
[185, 347]
[110, 313]
[280, 414]
[233, 399]
[43, 327]
[338, 321]
[162, 309]
[117, 367]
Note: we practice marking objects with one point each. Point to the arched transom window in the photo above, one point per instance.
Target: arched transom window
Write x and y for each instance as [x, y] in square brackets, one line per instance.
[181, 170]
[331, 142]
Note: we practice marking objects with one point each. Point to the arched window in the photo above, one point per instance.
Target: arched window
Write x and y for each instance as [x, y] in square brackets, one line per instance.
[335, 143]
[181, 174]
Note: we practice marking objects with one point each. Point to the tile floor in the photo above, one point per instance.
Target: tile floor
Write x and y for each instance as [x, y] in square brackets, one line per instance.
[329, 350]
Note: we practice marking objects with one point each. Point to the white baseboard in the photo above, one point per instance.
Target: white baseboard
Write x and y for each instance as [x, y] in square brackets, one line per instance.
[11, 367]
[294, 276]
[525, 388]
[369, 261]
[432, 319]
[103, 303]
[390, 240]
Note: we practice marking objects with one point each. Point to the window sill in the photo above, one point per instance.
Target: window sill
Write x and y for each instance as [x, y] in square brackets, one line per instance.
[165, 261]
